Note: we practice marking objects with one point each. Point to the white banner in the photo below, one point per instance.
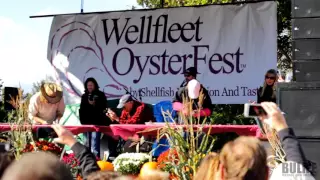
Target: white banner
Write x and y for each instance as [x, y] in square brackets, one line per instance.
[146, 51]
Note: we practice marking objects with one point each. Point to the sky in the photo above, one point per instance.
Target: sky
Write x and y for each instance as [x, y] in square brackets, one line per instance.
[23, 41]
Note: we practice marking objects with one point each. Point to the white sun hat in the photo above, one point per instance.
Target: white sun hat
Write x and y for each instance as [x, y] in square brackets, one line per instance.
[194, 87]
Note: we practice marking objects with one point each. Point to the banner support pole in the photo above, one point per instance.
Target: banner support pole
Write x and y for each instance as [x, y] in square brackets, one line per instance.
[162, 3]
[82, 1]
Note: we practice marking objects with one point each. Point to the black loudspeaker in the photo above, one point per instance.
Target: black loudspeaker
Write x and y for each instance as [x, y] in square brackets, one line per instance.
[306, 49]
[306, 70]
[300, 101]
[311, 148]
[305, 8]
[306, 28]
[9, 92]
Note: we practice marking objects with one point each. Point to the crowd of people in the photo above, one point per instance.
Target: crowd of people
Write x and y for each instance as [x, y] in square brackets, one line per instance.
[244, 158]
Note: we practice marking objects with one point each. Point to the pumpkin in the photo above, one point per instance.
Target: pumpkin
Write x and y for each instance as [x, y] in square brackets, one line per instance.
[105, 165]
[147, 167]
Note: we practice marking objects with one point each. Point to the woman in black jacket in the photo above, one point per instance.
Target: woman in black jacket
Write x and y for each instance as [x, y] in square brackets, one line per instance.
[267, 93]
[92, 107]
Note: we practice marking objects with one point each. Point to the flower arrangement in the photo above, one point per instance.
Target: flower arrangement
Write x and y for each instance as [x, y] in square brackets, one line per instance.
[71, 161]
[168, 156]
[43, 146]
[191, 142]
[130, 163]
[165, 161]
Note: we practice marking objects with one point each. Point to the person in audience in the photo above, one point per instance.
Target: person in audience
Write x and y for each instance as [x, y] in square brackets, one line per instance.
[47, 106]
[154, 175]
[268, 91]
[91, 112]
[37, 166]
[290, 144]
[208, 167]
[196, 94]
[244, 158]
[103, 175]
[5, 160]
[87, 160]
[133, 112]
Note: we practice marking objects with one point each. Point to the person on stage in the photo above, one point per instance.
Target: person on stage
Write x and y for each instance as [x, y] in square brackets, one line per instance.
[91, 112]
[267, 93]
[47, 106]
[189, 74]
[192, 94]
[133, 112]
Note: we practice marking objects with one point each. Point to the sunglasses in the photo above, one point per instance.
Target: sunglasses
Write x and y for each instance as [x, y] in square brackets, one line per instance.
[270, 77]
[187, 75]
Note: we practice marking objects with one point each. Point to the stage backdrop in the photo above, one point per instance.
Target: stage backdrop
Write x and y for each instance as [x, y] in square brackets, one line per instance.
[147, 51]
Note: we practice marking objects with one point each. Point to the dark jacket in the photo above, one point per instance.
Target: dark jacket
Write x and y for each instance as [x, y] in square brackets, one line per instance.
[267, 95]
[87, 161]
[93, 114]
[293, 150]
[183, 92]
[139, 114]
[291, 146]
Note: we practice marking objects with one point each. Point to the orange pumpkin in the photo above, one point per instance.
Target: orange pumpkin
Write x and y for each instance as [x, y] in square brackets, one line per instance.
[147, 167]
[104, 165]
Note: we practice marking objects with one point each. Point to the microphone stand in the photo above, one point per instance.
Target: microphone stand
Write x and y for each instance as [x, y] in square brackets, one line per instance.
[127, 92]
[140, 97]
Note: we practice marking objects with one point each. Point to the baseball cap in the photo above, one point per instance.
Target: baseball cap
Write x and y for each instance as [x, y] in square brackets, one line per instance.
[194, 89]
[124, 99]
[191, 71]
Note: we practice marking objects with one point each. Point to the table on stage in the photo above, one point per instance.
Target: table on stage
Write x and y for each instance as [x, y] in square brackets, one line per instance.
[130, 130]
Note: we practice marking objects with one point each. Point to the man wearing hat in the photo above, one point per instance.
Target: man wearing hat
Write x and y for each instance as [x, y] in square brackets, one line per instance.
[47, 106]
[189, 74]
[190, 89]
[134, 112]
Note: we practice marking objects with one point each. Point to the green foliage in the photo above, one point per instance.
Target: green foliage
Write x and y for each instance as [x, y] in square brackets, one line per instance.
[3, 113]
[37, 85]
[229, 114]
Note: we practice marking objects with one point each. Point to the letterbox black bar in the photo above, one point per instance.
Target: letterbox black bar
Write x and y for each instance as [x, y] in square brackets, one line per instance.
[104, 12]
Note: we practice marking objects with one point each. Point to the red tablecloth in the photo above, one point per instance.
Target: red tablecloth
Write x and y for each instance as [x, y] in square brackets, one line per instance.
[125, 131]
[74, 129]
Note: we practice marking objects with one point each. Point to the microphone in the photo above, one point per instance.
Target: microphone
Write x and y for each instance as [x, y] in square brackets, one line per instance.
[140, 96]
[183, 82]
[128, 92]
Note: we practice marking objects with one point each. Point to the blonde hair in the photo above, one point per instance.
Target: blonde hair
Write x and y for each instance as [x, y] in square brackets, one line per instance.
[274, 86]
[154, 175]
[208, 168]
[42, 99]
[106, 175]
[244, 159]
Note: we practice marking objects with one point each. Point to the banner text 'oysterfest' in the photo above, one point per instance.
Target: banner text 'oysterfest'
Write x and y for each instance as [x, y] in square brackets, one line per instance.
[149, 32]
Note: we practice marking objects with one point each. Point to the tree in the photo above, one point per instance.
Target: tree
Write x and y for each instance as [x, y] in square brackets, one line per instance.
[37, 85]
[1, 90]
[3, 113]
[283, 16]
[232, 113]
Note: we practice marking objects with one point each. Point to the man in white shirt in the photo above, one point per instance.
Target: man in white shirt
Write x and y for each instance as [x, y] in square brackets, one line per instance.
[47, 106]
